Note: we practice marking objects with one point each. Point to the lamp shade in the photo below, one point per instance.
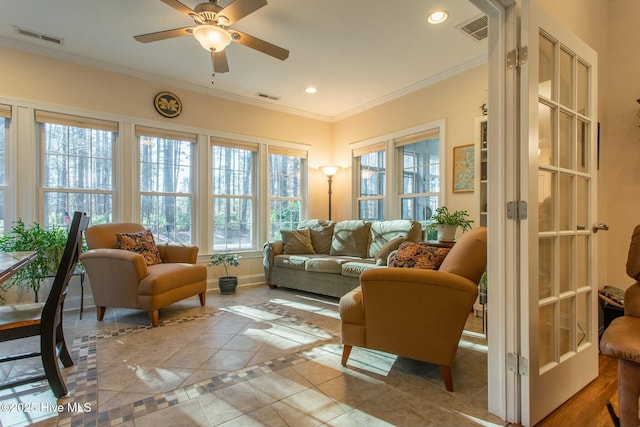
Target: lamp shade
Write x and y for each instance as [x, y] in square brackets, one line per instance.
[212, 37]
[330, 170]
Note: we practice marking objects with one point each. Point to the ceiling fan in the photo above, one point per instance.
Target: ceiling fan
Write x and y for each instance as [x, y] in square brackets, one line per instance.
[213, 32]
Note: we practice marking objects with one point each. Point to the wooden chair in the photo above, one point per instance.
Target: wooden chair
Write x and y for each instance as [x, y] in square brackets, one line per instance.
[45, 319]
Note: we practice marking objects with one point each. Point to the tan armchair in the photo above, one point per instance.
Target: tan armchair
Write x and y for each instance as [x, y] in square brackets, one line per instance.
[121, 278]
[622, 341]
[419, 314]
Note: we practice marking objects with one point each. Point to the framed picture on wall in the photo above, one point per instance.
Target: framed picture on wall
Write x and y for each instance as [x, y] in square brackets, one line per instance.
[463, 168]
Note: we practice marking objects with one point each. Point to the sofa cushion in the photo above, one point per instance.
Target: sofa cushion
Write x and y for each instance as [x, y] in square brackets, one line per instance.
[418, 255]
[321, 232]
[384, 252]
[297, 242]
[292, 261]
[141, 242]
[351, 238]
[355, 268]
[326, 264]
[383, 231]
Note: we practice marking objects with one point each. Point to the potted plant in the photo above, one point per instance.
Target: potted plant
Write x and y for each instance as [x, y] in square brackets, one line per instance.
[482, 288]
[227, 284]
[48, 244]
[447, 223]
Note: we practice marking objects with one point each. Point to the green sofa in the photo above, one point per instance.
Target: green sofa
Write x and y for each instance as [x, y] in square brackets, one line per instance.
[327, 257]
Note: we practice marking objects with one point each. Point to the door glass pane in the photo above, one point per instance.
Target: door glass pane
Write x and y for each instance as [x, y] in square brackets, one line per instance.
[546, 270]
[566, 320]
[582, 140]
[582, 261]
[546, 67]
[546, 185]
[545, 135]
[582, 87]
[566, 261]
[582, 318]
[566, 78]
[582, 204]
[566, 140]
[546, 334]
[565, 202]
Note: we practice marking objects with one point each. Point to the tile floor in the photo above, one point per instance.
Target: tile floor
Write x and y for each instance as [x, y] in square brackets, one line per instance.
[261, 357]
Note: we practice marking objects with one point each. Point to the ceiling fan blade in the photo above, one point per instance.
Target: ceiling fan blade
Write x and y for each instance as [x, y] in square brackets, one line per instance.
[259, 45]
[179, 7]
[238, 9]
[163, 35]
[219, 61]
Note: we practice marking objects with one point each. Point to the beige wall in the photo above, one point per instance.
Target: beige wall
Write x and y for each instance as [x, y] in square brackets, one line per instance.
[611, 28]
[457, 100]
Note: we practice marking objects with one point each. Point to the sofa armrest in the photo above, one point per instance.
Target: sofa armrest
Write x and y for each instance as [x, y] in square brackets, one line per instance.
[178, 252]
[269, 251]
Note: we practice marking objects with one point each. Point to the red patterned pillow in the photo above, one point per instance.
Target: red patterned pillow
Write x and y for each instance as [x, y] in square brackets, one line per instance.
[141, 242]
[418, 255]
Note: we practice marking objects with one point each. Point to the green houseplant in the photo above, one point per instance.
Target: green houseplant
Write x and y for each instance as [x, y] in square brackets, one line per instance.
[48, 244]
[447, 223]
[227, 284]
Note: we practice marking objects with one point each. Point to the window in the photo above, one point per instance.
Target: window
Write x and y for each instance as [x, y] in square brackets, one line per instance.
[419, 157]
[233, 194]
[5, 118]
[166, 189]
[286, 168]
[77, 167]
[372, 174]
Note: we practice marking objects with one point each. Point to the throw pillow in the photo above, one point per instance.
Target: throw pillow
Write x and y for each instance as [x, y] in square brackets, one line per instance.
[141, 242]
[321, 232]
[297, 242]
[418, 255]
[390, 246]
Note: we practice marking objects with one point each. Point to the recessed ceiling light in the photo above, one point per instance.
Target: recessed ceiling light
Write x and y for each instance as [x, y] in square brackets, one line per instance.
[438, 16]
[311, 89]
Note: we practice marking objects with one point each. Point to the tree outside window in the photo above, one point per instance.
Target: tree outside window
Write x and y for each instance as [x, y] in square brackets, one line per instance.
[285, 193]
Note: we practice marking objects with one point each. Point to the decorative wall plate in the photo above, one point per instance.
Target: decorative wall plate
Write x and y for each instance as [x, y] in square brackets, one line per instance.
[167, 104]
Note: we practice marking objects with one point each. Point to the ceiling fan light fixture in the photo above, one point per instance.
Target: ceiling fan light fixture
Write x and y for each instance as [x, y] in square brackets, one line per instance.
[212, 37]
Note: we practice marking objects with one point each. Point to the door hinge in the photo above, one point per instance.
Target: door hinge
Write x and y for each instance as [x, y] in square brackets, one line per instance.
[517, 57]
[517, 364]
[517, 210]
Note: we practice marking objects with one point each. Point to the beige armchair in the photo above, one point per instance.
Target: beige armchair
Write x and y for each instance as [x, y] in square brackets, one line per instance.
[622, 341]
[121, 278]
[419, 314]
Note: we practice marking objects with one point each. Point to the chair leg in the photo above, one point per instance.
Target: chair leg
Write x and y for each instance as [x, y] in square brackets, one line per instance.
[154, 317]
[445, 371]
[100, 312]
[50, 363]
[61, 346]
[203, 298]
[346, 351]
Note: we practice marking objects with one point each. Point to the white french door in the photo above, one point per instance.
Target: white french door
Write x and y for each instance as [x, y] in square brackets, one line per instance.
[558, 339]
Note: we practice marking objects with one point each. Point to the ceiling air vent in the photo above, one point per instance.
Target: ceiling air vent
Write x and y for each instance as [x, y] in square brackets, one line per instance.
[36, 35]
[267, 96]
[477, 28]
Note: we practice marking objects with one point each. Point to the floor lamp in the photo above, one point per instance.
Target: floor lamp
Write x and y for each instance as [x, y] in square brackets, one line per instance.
[330, 171]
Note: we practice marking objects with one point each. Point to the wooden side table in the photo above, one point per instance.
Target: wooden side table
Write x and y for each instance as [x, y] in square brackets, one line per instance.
[438, 243]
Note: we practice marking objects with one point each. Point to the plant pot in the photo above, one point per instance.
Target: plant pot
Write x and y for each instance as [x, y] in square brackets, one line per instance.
[446, 232]
[227, 285]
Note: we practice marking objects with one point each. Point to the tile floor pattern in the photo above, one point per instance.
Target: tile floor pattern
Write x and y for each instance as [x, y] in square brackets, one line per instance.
[261, 357]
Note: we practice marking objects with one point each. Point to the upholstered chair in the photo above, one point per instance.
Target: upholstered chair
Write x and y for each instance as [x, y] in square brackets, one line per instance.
[122, 278]
[416, 313]
[622, 341]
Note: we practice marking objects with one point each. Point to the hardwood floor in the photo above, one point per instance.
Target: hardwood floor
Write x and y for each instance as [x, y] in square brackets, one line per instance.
[588, 407]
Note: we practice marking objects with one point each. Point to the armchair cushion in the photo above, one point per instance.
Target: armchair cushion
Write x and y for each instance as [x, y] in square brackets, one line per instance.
[418, 255]
[297, 242]
[141, 242]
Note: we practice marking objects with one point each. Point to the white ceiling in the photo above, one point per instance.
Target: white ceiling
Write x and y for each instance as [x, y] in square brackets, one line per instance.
[356, 52]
